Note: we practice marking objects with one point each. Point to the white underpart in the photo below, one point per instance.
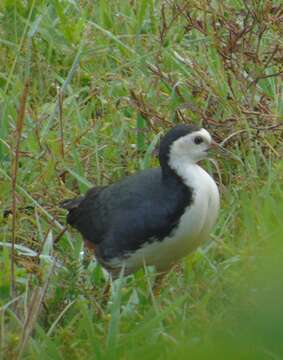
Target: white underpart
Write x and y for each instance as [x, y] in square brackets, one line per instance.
[196, 222]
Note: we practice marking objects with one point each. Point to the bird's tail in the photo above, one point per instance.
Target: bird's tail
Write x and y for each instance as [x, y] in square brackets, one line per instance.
[71, 204]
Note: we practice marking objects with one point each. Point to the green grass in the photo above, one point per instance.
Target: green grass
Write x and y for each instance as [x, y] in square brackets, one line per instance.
[106, 79]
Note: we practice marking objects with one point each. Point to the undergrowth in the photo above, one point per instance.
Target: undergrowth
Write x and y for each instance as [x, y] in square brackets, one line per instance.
[86, 90]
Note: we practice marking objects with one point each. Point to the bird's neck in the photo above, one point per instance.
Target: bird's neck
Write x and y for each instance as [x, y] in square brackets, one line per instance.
[184, 172]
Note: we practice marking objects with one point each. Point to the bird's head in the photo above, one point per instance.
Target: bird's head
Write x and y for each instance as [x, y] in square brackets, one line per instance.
[184, 144]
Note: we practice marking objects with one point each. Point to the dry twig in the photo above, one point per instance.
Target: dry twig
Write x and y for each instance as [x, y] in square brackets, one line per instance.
[15, 164]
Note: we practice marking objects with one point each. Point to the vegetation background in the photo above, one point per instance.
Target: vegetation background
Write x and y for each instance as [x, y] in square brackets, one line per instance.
[86, 90]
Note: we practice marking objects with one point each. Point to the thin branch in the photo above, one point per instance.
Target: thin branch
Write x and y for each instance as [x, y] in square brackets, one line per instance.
[61, 233]
[60, 102]
[33, 312]
[262, 77]
[268, 61]
[51, 219]
[15, 165]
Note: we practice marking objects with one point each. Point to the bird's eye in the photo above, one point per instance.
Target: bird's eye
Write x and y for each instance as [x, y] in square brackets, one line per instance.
[198, 140]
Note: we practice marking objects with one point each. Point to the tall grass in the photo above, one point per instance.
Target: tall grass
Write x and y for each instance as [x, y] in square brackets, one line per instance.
[106, 79]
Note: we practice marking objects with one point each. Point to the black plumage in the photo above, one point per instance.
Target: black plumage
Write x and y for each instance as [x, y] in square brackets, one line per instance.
[118, 219]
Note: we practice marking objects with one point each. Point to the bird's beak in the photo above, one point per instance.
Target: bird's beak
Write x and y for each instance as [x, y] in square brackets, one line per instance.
[215, 147]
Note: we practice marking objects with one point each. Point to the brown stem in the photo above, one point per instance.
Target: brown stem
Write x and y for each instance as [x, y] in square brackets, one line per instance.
[15, 165]
[61, 98]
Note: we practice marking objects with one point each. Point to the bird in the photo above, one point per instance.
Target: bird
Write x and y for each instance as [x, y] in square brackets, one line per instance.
[155, 216]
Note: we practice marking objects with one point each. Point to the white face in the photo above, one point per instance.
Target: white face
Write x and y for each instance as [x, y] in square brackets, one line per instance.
[190, 148]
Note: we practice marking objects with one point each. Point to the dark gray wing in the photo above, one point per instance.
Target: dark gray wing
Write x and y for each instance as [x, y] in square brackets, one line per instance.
[124, 215]
[133, 211]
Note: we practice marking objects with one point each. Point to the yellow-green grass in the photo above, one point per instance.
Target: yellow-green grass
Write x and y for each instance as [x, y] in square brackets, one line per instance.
[106, 79]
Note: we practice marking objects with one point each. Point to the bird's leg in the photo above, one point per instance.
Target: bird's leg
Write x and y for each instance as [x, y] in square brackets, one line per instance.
[158, 281]
[106, 291]
[90, 251]
[89, 245]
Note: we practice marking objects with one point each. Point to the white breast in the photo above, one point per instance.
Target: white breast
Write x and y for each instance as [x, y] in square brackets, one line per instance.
[194, 226]
[199, 218]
